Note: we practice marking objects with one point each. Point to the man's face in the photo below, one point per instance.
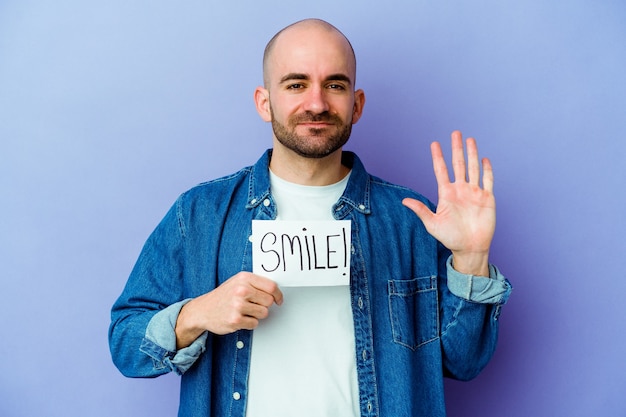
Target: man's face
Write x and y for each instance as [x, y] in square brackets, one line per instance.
[311, 135]
[312, 102]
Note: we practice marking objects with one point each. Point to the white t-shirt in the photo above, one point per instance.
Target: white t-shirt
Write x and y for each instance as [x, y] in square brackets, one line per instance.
[303, 355]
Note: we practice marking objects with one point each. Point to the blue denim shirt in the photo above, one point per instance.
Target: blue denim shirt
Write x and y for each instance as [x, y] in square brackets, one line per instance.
[416, 320]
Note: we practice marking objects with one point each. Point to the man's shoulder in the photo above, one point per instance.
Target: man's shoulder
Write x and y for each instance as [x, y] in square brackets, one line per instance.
[217, 187]
[249, 176]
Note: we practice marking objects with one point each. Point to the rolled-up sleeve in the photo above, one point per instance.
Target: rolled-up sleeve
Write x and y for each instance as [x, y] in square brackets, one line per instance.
[160, 341]
[494, 289]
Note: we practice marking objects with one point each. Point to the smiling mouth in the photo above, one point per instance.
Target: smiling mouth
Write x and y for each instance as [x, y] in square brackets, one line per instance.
[315, 120]
[315, 124]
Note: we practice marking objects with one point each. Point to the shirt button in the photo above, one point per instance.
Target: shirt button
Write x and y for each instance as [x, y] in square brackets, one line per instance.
[361, 206]
[266, 202]
[236, 396]
[253, 201]
[239, 344]
[364, 355]
[360, 303]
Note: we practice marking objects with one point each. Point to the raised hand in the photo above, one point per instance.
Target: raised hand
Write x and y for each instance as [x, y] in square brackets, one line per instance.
[465, 218]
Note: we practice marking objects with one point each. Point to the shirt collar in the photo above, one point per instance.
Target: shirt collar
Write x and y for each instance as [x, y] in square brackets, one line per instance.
[356, 195]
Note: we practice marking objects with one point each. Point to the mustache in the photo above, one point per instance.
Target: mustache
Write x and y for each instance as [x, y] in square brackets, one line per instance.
[315, 117]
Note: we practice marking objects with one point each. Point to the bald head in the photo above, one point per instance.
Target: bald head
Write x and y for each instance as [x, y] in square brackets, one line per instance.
[303, 29]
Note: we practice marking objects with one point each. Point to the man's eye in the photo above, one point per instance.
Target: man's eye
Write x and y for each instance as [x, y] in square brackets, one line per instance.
[336, 87]
[295, 86]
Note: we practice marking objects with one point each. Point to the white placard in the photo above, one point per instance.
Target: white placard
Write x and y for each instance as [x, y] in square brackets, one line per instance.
[301, 253]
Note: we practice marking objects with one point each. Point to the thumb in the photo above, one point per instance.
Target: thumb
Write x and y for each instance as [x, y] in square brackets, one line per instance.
[420, 209]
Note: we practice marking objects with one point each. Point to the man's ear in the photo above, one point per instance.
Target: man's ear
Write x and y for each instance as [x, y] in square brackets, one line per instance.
[262, 103]
[359, 103]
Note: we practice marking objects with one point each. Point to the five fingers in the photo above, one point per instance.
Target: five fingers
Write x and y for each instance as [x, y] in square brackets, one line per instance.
[464, 170]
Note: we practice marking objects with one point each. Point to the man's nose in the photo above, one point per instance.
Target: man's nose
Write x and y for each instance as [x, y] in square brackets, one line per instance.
[315, 100]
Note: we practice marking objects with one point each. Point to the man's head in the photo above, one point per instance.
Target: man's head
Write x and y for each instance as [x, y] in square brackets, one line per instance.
[305, 25]
[309, 71]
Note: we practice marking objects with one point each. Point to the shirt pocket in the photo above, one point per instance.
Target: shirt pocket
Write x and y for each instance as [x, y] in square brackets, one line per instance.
[413, 311]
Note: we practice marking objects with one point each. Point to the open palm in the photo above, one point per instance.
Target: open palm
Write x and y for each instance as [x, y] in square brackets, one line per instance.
[465, 218]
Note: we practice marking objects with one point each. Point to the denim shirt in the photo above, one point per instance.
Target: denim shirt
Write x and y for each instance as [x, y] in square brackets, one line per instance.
[416, 319]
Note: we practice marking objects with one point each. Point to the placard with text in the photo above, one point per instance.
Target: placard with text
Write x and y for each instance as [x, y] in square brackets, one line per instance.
[302, 253]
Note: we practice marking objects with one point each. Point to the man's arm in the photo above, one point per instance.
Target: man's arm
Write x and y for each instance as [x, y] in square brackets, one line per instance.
[473, 291]
[155, 326]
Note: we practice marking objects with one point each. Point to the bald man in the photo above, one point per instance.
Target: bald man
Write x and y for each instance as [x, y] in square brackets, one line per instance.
[421, 302]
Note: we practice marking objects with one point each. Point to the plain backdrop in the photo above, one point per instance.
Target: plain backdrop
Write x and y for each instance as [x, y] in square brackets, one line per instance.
[109, 110]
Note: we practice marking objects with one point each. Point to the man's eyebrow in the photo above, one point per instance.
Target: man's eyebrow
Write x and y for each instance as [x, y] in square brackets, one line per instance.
[303, 77]
[339, 77]
[294, 76]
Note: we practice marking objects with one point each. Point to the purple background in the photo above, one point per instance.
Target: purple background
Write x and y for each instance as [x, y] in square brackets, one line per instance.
[108, 110]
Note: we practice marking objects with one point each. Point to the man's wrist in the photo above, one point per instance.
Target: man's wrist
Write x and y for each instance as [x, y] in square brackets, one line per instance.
[476, 264]
[186, 333]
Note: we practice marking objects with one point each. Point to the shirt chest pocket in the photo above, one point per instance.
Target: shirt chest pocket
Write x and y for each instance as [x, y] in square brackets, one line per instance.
[413, 311]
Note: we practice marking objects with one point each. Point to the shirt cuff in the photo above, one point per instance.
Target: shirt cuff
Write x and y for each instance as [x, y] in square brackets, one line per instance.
[494, 289]
[160, 341]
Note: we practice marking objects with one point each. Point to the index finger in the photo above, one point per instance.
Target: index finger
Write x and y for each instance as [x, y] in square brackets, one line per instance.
[267, 286]
[439, 164]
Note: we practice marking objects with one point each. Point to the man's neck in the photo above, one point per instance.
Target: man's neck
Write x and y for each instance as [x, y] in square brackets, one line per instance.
[307, 171]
